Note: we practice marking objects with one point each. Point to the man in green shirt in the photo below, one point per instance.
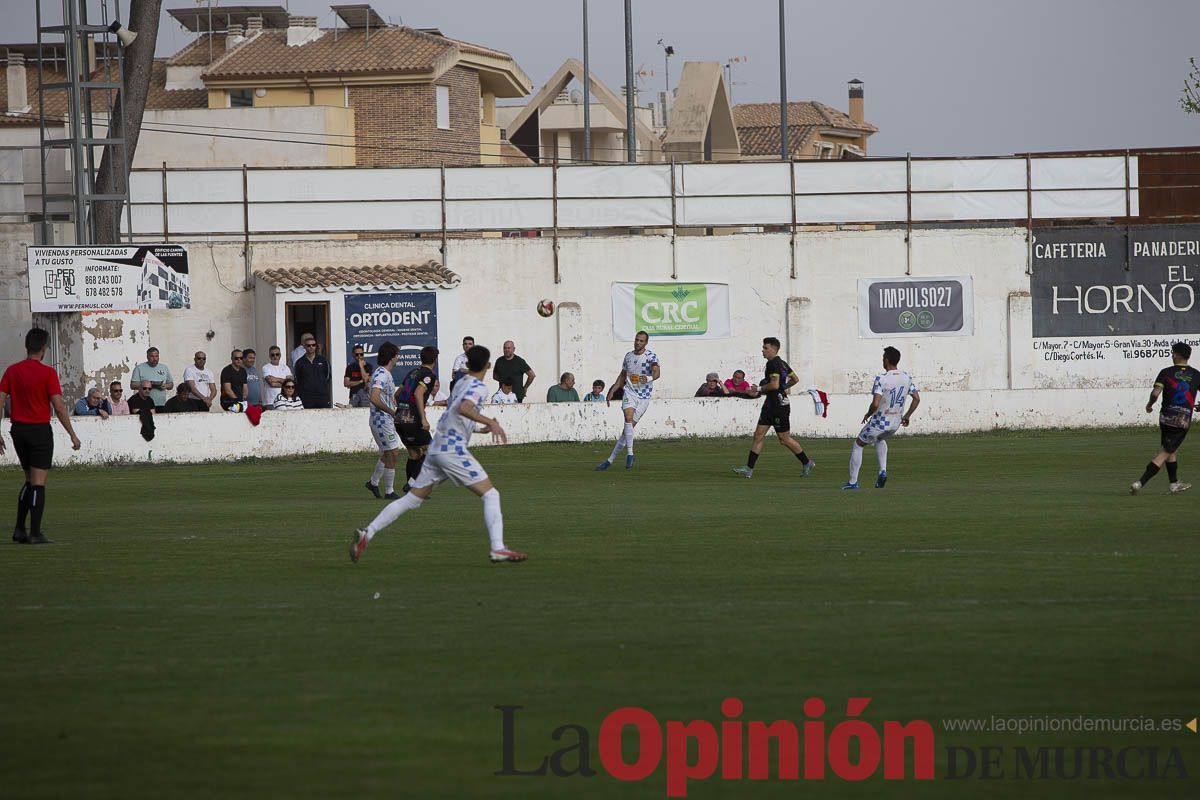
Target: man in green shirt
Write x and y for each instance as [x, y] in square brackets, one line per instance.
[513, 367]
[157, 373]
[563, 391]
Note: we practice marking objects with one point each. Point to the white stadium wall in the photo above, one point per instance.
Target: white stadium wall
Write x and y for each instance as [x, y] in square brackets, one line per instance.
[225, 436]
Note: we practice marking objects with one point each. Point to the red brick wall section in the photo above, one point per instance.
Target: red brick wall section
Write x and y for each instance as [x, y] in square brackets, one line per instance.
[397, 125]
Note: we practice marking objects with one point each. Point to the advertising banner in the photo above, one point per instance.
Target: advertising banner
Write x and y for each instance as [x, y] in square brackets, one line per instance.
[1108, 303]
[683, 310]
[108, 278]
[406, 319]
[898, 307]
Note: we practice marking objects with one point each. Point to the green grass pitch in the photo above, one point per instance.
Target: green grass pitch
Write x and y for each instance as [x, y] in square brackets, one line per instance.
[199, 631]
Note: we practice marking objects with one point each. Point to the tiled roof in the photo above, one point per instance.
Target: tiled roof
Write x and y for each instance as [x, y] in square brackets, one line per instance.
[56, 100]
[196, 54]
[379, 276]
[387, 51]
[809, 112]
[764, 141]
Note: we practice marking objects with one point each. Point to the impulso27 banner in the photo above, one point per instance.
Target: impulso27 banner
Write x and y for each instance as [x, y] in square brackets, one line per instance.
[108, 278]
[896, 307]
[682, 310]
[1108, 308]
[406, 319]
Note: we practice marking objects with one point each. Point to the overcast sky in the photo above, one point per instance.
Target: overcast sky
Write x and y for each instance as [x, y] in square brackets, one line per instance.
[943, 77]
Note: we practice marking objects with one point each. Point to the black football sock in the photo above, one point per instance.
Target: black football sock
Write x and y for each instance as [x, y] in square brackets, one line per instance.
[23, 505]
[802, 456]
[751, 460]
[411, 468]
[1173, 471]
[1151, 471]
[37, 504]
[417, 469]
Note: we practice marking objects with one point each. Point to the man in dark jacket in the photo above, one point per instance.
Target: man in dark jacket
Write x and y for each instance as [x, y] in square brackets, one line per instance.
[312, 377]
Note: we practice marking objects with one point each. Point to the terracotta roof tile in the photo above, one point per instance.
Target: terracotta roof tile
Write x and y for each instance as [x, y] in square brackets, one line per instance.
[764, 141]
[809, 112]
[196, 53]
[379, 276]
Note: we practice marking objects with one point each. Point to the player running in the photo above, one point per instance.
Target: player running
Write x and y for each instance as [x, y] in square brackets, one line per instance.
[34, 389]
[776, 411]
[1178, 385]
[884, 417]
[415, 394]
[639, 371]
[450, 459]
[383, 428]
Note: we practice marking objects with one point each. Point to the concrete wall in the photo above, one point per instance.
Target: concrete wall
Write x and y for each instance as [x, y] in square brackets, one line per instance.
[225, 436]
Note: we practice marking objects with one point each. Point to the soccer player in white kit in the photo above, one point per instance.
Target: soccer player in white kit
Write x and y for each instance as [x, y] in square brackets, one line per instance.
[884, 417]
[383, 423]
[449, 458]
[639, 371]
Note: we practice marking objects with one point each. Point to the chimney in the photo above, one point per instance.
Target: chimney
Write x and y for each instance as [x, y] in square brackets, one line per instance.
[253, 27]
[302, 30]
[856, 100]
[563, 98]
[233, 37]
[18, 92]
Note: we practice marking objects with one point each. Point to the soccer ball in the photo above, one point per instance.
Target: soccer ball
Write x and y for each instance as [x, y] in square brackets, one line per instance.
[546, 308]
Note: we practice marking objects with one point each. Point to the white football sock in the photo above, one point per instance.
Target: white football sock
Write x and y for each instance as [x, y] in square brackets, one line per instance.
[391, 512]
[389, 481]
[617, 448]
[378, 473]
[855, 462]
[881, 454]
[629, 438]
[493, 518]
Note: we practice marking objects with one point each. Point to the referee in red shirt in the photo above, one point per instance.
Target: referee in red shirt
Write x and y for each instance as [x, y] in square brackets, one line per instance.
[33, 387]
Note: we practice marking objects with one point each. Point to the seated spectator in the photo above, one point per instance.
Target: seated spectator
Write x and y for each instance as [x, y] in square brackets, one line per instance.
[116, 399]
[738, 386]
[142, 401]
[182, 402]
[94, 405]
[563, 391]
[596, 395]
[505, 394]
[233, 382]
[288, 400]
[712, 387]
[440, 398]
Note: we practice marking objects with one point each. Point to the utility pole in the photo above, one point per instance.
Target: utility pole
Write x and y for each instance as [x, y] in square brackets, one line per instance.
[783, 101]
[668, 51]
[630, 135]
[587, 91]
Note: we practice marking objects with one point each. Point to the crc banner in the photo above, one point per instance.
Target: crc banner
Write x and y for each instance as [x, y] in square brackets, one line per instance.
[684, 310]
[1081, 286]
[896, 307]
[406, 319]
[108, 278]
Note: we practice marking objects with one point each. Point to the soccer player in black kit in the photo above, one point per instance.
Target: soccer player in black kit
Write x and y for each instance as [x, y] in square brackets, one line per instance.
[776, 411]
[413, 396]
[1178, 385]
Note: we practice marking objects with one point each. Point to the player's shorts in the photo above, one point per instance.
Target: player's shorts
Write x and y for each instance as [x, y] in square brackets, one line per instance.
[777, 417]
[34, 444]
[456, 465]
[878, 428]
[1172, 437]
[413, 435]
[385, 433]
[638, 404]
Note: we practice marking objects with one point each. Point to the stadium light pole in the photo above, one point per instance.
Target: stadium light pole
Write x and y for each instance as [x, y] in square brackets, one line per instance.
[630, 136]
[587, 91]
[783, 103]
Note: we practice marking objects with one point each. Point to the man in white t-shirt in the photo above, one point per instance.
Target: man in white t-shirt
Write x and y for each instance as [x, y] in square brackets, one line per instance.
[450, 459]
[274, 373]
[460, 362]
[200, 381]
[505, 395]
[884, 417]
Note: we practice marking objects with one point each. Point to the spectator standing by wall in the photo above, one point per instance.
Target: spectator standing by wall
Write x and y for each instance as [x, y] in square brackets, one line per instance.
[515, 369]
[274, 373]
[116, 399]
[200, 381]
[712, 387]
[298, 353]
[253, 379]
[312, 378]
[505, 395]
[157, 373]
[233, 381]
[142, 401]
[182, 402]
[355, 379]
[596, 395]
[738, 386]
[563, 391]
[460, 361]
[93, 405]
